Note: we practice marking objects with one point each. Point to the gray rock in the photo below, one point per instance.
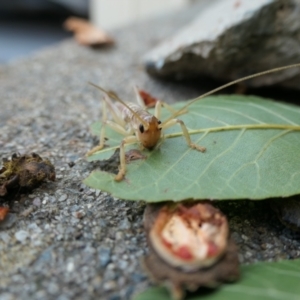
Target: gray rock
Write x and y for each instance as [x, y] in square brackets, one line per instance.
[231, 39]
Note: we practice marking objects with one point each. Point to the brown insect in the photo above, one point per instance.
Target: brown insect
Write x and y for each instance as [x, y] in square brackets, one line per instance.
[139, 126]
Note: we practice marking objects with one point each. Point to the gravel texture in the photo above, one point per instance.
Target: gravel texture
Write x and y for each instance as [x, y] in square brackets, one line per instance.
[65, 240]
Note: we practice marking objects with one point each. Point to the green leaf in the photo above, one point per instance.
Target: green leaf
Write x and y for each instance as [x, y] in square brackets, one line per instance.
[252, 152]
[261, 281]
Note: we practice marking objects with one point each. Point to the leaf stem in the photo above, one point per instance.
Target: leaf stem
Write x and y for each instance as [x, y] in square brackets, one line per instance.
[236, 127]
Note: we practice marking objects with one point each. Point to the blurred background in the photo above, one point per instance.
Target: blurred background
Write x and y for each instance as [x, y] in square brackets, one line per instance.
[29, 25]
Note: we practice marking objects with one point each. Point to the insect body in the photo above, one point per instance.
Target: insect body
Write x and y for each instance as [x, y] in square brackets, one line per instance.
[142, 127]
[139, 126]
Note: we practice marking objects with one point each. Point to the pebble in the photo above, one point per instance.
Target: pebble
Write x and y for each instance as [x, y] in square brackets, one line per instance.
[21, 235]
[109, 285]
[248, 254]
[245, 238]
[63, 197]
[4, 237]
[125, 224]
[37, 201]
[34, 228]
[104, 256]
[123, 264]
[45, 256]
[70, 266]
[119, 235]
[266, 246]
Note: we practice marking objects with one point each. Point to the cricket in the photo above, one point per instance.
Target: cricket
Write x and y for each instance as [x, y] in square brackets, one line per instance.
[138, 126]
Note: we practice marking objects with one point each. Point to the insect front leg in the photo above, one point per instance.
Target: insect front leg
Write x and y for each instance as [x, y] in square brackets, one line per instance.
[117, 126]
[185, 133]
[122, 170]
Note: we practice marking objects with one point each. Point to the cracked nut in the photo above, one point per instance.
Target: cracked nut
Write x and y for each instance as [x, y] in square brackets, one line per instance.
[190, 237]
[189, 247]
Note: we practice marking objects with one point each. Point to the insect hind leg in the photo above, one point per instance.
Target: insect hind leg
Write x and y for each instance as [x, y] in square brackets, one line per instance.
[185, 133]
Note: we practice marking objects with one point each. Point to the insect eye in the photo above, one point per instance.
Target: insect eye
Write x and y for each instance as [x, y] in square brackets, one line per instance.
[141, 128]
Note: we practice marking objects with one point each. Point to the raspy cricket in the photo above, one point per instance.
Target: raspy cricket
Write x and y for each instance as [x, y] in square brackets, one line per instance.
[137, 125]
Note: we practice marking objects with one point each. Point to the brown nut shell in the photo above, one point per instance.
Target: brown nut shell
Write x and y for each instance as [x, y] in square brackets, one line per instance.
[189, 236]
[224, 268]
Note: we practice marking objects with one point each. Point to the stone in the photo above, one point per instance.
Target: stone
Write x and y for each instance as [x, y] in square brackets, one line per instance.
[4, 237]
[104, 256]
[21, 235]
[63, 197]
[231, 39]
[37, 201]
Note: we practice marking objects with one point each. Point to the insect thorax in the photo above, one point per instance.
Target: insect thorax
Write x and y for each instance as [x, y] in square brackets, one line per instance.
[130, 118]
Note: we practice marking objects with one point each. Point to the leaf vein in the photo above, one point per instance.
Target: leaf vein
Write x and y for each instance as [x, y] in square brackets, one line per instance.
[208, 118]
[233, 111]
[272, 113]
[218, 157]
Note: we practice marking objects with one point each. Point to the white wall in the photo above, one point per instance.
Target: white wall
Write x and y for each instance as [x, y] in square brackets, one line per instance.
[110, 14]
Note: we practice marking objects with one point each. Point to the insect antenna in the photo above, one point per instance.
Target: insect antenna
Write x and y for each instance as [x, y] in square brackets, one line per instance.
[114, 96]
[178, 112]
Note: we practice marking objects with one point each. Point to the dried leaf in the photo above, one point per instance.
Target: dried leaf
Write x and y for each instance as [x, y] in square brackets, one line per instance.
[26, 171]
[148, 99]
[3, 212]
[86, 33]
[134, 154]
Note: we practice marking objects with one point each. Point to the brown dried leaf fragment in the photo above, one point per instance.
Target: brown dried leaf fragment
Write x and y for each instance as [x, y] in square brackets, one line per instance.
[134, 154]
[25, 171]
[189, 247]
[3, 212]
[87, 34]
[148, 99]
